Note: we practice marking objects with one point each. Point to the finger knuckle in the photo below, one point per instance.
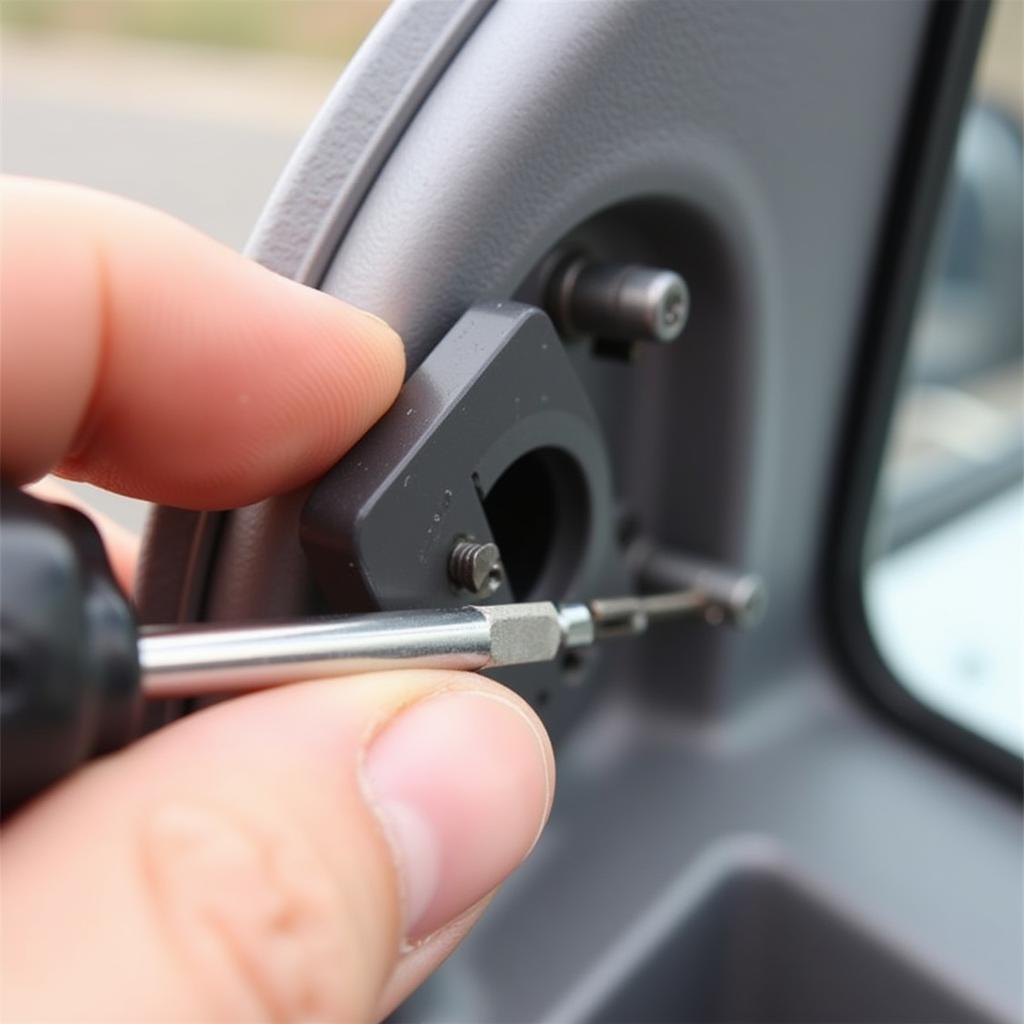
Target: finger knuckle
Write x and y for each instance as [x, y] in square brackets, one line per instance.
[251, 910]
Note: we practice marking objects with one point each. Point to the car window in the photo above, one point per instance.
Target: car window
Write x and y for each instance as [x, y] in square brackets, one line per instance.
[944, 569]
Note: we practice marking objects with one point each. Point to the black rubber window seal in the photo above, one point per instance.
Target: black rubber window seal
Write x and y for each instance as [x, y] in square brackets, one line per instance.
[939, 98]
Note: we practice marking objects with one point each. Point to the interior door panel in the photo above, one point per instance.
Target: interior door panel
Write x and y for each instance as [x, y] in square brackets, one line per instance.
[739, 834]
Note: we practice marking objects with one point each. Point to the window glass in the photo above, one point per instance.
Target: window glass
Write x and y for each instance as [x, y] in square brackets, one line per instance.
[945, 575]
[191, 106]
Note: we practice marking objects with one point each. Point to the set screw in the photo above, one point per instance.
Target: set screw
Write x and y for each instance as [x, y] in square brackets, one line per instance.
[476, 567]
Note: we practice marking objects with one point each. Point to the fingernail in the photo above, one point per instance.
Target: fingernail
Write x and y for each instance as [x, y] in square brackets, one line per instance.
[462, 785]
[382, 330]
[379, 321]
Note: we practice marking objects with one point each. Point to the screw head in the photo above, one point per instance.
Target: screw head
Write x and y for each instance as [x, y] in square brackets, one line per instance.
[669, 307]
[476, 568]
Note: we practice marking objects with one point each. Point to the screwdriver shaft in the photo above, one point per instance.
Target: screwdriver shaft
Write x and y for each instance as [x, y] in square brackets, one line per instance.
[204, 659]
[189, 661]
[194, 660]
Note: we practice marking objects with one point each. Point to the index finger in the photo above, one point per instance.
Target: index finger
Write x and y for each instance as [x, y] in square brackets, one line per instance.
[143, 357]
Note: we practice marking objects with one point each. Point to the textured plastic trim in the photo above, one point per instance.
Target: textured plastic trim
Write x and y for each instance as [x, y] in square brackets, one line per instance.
[355, 131]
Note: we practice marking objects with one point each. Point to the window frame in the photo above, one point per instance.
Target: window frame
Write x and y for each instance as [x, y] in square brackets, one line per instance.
[925, 164]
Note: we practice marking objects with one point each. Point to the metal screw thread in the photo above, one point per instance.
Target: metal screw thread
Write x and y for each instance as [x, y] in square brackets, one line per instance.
[475, 567]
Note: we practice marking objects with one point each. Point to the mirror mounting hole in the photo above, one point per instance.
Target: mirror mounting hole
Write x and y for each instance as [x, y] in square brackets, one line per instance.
[539, 515]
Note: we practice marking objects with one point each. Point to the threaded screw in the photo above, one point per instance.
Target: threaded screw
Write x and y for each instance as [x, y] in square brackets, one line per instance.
[476, 567]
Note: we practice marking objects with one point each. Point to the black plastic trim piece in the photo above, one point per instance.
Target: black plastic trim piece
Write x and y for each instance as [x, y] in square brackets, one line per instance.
[933, 122]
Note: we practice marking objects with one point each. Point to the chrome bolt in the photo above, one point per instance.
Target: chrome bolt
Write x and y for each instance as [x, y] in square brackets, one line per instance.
[476, 567]
[619, 301]
[724, 595]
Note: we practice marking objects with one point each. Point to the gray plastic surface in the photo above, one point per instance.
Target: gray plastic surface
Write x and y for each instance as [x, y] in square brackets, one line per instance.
[750, 147]
[379, 527]
[761, 942]
[497, 390]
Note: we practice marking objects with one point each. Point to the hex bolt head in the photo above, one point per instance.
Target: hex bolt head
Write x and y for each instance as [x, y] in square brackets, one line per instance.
[476, 568]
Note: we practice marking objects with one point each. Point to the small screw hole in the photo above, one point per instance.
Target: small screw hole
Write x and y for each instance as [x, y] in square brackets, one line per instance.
[572, 661]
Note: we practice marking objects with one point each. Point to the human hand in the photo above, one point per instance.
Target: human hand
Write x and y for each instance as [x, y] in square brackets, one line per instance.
[310, 852]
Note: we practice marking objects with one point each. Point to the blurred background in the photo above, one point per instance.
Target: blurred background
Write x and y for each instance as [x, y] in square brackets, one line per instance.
[194, 106]
[191, 106]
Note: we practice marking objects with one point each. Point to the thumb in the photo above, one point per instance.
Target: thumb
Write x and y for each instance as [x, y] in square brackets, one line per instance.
[276, 857]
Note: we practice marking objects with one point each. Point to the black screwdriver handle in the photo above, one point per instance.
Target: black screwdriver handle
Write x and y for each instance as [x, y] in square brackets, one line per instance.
[69, 669]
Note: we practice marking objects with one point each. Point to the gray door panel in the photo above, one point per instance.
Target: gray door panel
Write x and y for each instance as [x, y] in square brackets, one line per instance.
[737, 836]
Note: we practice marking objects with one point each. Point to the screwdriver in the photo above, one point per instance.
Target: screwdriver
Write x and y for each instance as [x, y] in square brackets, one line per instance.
[75, 670]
